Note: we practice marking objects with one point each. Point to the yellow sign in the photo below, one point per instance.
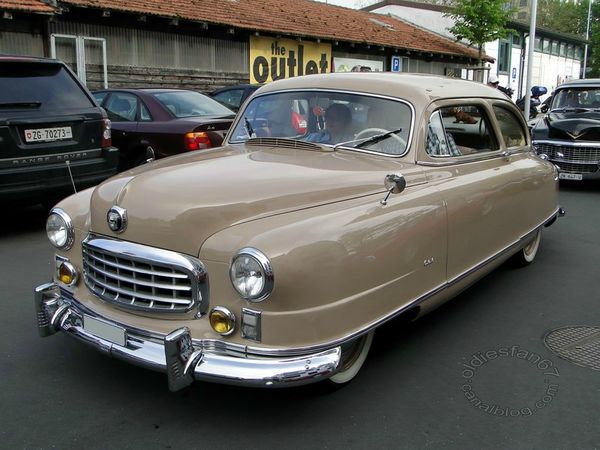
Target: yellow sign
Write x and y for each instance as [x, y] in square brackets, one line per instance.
[272, 59]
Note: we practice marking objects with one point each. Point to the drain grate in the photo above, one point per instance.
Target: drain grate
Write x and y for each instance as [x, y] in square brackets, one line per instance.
[580, 345]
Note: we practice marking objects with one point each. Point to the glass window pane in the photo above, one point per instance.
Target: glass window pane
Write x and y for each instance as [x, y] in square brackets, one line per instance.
[121, 107]
[50, 85]
[330, 118]
[468, 127]
[513, 134]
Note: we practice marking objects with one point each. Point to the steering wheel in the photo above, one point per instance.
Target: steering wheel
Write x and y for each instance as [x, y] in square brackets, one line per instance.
[369, 132]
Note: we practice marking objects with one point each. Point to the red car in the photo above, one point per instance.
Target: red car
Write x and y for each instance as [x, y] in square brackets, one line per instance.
[166, 121]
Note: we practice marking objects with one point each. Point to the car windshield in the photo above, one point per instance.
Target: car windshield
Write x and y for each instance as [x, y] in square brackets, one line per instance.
[331, 118]
[577, 97]
[191, 104]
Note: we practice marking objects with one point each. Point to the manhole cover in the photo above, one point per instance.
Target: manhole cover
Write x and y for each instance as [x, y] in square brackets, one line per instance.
[580, 345]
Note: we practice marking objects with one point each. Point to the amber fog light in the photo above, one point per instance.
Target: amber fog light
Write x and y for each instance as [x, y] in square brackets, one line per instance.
[222, 320]
[67, 273]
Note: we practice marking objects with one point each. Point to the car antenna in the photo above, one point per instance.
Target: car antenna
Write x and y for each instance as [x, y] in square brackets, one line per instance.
[68, 163]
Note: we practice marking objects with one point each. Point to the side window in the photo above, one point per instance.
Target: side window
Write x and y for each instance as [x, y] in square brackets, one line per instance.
[145, 115]
[512, 132]
[100, 96]
[437, 143]
[231, 98]
[121, 107]
[468, 128]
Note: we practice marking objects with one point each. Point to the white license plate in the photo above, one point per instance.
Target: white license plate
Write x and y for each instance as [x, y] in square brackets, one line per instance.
[105, 330]
[48, 134]
[570, 176]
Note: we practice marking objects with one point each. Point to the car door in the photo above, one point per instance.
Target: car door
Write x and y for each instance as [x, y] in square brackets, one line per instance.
[532, 196]
[476, 180]
[122, 109]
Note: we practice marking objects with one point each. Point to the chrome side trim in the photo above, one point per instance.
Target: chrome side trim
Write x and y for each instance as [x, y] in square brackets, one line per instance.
[567, 143]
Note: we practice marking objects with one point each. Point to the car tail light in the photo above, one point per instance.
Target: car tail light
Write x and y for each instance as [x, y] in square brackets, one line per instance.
[106, 134]
[197, 141]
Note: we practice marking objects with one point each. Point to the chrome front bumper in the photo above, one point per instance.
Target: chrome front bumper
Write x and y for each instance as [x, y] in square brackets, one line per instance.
[183, 359]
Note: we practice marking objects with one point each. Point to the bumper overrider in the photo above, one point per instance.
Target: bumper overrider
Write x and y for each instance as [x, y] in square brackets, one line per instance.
[183, 359]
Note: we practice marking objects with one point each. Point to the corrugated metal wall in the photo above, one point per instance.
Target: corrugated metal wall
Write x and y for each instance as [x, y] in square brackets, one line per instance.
[143, 48]
[24, 44]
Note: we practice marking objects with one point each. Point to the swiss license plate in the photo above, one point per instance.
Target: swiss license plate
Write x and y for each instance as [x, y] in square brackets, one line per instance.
[570, 176]
[48, 134]
[105, 330]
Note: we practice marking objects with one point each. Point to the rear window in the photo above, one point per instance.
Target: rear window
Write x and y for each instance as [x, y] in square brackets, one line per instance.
[44, 87]
[190, 104]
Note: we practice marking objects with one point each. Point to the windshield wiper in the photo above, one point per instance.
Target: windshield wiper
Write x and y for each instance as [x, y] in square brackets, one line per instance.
[9, 105]
[248, 127]
[377, 138]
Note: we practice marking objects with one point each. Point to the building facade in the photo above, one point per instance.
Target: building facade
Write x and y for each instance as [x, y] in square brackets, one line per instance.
[120, 43]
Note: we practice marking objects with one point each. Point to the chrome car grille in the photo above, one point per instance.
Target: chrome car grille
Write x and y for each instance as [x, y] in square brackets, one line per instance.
[589, 155]
[144, 278]
[576, 168]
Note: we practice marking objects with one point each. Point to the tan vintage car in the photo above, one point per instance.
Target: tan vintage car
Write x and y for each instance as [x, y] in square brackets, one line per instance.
[272, 260]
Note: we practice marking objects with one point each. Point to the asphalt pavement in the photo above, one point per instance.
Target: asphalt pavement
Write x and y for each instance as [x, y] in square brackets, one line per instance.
[474, 374]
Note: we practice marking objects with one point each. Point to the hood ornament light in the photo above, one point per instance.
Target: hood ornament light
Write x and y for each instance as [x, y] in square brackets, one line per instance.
[117, 219]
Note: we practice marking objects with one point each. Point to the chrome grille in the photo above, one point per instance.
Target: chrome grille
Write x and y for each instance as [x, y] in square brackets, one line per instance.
[589, 155]
[143, 278]
[576, 168]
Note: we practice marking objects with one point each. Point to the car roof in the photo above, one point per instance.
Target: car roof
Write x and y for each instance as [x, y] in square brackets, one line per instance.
[146, 90]
[238, 86]
[584, 82]
[417, 88]
[29, 59]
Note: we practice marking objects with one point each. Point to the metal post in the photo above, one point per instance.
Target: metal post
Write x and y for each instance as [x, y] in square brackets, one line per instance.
[587, 37]
[530, 56]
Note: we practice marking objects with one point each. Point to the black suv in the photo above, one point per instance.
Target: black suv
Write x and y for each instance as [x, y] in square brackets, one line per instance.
[54, 138]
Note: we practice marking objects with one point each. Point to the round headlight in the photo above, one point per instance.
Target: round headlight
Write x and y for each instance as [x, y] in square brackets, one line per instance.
[251, 274]
[59, 229]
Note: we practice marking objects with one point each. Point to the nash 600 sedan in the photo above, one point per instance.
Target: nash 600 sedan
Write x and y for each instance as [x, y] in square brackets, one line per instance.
[272, 260]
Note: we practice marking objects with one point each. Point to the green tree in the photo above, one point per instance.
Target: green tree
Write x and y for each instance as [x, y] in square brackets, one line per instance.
[480, 21]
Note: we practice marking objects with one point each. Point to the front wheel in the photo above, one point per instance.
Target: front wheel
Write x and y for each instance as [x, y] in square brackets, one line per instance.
[527, 254]
[353, 356]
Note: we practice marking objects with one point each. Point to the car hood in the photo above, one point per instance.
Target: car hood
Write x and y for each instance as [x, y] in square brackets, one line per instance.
[178, 202]
[574, 124]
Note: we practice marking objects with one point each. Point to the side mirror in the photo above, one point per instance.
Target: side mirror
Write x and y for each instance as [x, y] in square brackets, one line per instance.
[394, 183]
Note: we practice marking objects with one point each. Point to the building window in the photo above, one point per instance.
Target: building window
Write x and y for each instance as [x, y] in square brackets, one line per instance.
[538, 44]
[516, 40]
[504, 56]
[570, 51]
[555, 47]
[546, 46]
[563, 49]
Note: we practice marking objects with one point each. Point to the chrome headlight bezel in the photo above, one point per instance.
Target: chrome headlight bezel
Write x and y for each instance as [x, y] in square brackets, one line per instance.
[68, 226]
[266, 270]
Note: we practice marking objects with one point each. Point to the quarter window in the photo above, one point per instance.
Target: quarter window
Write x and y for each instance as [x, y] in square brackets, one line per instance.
[511, 127]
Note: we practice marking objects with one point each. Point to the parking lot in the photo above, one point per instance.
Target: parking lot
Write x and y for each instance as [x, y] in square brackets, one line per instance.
[416, 390]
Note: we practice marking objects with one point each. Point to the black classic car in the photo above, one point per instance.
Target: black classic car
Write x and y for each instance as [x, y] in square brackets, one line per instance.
[569, 135]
